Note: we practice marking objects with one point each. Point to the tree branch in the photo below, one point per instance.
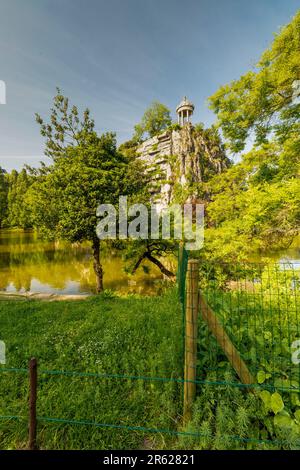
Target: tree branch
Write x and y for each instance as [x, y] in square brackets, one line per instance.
[159, 265]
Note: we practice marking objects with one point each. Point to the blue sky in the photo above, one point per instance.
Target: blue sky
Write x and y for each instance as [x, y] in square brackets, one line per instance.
[117, 56]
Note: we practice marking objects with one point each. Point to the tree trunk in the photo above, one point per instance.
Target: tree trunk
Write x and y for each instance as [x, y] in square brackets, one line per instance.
[97, 265]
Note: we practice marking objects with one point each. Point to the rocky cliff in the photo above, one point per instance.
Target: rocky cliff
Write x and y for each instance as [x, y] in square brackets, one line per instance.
[182, 156]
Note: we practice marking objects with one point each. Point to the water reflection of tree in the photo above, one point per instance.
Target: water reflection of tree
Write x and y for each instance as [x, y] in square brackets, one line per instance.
[56, 264]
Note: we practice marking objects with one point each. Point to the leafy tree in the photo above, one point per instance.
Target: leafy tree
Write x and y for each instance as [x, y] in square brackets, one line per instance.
[3, 196]
[155, 119]
[85, 172]
[255, 204]
[129, 148]
[65, 128]
[18, 211]
[264, 101]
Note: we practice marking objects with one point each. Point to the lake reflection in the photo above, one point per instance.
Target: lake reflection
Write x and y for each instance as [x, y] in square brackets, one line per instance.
[28, 264]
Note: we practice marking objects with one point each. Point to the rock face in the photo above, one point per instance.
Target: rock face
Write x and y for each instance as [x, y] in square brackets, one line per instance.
[182, 156]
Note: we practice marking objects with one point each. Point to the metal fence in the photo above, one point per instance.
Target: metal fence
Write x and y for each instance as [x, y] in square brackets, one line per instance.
[257, 306]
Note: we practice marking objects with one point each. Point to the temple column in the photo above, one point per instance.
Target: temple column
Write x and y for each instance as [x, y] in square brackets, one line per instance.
[184, 111]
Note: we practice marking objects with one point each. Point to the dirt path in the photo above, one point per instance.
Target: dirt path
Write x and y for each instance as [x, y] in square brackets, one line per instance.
[46, 297]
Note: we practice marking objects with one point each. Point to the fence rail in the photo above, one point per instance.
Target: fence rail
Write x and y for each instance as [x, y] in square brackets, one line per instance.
[142, 429]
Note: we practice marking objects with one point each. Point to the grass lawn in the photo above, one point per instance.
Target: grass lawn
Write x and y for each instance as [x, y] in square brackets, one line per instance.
[106, 335]
[143, 337]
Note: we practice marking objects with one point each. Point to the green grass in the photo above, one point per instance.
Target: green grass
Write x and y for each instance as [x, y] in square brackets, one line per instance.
[106, 335]
[143, 337]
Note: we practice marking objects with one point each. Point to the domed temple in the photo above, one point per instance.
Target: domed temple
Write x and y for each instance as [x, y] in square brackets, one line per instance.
[184, 111]
[181, 155]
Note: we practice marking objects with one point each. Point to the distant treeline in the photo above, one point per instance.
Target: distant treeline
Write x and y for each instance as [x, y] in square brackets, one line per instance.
[14, 211]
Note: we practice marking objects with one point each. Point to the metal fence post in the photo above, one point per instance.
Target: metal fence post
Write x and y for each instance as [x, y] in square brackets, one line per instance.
[191, 317]
[32, 403]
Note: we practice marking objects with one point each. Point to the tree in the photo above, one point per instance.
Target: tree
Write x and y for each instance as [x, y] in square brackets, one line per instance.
[139, 251]
[18, 211]
[85, 172]
[155, 119]
[205, 157]
[65, 128]
[255, 204]
[264, 101]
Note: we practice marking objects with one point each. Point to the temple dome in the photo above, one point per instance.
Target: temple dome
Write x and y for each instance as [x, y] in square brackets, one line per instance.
[184, 110]
[185, 104]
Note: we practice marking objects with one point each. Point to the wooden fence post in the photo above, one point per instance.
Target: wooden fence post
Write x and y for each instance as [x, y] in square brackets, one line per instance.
[32, 403]
[191, 316]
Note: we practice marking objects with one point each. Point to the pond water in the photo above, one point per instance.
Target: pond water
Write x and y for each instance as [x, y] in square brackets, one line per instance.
[29, 264]
[288, 256]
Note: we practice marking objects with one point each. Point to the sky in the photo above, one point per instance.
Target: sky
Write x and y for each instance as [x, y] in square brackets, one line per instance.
[117, 56]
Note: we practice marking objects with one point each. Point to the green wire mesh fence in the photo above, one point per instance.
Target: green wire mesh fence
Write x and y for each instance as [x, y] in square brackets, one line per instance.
[258, 307]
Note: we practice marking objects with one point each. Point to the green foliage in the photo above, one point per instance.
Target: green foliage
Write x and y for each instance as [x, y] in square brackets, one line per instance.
[18, 211]
[277, 404]
[87, 170]
[261, 101]
[255, 203]
[65, 128]
[129, 148]
[64, 201]
[174, 127]
[262, 376]
[155, 119]
[3, 196]
[228, 418]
